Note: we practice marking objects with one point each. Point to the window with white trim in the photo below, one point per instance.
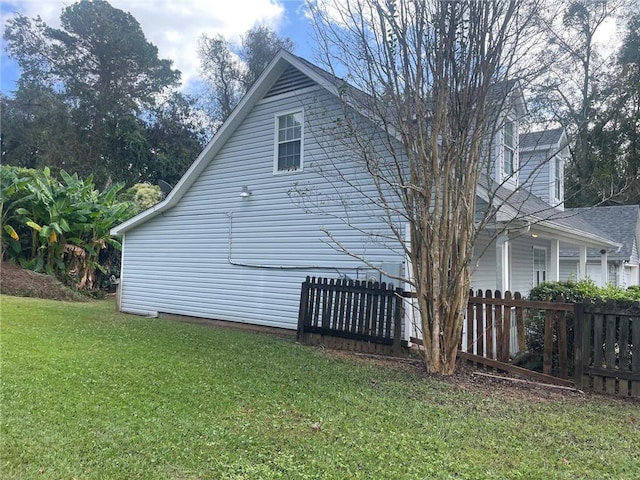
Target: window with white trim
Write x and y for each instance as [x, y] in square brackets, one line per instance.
[558, 179]
[288, 151]
[509, 146]
[539, 265]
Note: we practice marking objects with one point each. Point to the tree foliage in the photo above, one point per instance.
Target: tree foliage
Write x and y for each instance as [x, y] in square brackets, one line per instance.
[229, 71]
[589, 89]
[60, 227]
[93, 98]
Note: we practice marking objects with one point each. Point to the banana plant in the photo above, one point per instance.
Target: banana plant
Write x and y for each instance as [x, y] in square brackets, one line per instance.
[65, 225]
[13, 183]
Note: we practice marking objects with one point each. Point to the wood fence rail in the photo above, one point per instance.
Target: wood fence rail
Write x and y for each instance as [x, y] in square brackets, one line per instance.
[599, 345]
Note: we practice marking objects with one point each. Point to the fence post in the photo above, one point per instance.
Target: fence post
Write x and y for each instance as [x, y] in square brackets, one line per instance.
[561, 333]
[397, 321]
[578, 346]
[548, 342]
[520, 327]
[470, 323]
[302, 313]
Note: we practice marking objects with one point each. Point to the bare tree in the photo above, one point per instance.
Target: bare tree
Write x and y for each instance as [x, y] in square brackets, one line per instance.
[229, 71]
[437, 77]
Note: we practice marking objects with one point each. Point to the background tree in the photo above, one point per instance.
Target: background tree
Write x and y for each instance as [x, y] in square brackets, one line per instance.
[259, 46]
[87, 95]
[229, 71]
[624, 136]
[437, 77]
[581, 90]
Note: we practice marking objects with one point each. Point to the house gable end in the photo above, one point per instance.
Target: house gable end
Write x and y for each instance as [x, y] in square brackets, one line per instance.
[285, 73]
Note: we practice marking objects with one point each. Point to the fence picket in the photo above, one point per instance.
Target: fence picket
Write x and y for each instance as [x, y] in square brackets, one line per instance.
[489, 324]
[499, 323]
[370, 317]
[479, 340]
[635, 359]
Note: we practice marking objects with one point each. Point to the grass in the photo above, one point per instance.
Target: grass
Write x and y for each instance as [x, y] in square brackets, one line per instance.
[88, 393]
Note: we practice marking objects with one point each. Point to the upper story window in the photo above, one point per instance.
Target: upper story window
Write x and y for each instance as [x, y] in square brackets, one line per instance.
[509, 141]
[557, 179]
[288, 155]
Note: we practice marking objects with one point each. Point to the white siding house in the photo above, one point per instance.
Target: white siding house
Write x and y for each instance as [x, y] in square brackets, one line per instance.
[237, 235]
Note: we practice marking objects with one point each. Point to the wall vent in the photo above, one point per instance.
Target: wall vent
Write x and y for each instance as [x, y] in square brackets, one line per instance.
[290, 80]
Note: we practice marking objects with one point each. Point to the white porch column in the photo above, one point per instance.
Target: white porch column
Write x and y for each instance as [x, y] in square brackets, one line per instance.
[582, 263]
[411, 315]
[503, 270]
[604, 267]
[554, 261]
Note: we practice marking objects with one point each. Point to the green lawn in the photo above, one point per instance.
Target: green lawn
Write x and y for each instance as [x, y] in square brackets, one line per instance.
[91, 394]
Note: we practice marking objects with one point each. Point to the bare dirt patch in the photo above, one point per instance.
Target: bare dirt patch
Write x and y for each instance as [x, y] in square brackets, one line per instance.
[476, 379]
[19, 282]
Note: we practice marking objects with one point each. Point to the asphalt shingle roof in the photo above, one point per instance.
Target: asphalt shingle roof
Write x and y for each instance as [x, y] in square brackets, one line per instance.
[541, 138]
[529, 205]
[619, 221]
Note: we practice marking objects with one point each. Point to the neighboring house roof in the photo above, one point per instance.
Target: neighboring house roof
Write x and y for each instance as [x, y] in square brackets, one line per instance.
[619, 221]
[520, 202]
[541, 139]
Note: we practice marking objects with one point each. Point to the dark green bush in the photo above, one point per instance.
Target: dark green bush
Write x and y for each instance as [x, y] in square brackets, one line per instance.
[573, 292]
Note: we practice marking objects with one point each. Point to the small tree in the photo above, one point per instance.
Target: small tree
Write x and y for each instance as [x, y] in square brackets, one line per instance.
[437, 77]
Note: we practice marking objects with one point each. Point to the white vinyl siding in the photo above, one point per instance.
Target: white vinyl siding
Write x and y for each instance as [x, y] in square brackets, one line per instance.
[484, 267]
[217, 255]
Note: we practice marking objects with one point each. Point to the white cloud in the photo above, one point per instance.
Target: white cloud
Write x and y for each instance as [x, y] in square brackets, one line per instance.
[174, 26]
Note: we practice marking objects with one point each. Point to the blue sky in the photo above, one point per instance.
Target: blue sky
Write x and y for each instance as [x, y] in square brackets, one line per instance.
[174, 26]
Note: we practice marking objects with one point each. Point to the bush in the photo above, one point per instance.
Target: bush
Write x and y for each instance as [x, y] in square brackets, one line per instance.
[573, 292]
[60, 227]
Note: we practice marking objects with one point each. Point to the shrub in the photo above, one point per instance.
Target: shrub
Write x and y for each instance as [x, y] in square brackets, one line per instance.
[573, 292]
[60, 227]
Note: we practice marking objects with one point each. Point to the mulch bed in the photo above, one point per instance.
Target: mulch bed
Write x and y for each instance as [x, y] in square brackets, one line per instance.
[17, 281]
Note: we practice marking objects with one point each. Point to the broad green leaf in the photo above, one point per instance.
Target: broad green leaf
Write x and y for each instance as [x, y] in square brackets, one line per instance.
[34, 225]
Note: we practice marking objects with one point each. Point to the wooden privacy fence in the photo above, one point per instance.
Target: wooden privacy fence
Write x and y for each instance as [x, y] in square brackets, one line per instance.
[599, 345]
[488, 324]
[354, 315]
[607, 349]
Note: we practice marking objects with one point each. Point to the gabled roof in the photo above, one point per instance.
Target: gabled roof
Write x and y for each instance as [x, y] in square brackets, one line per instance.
[260, 87]
[619, 221]
[519, 202]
